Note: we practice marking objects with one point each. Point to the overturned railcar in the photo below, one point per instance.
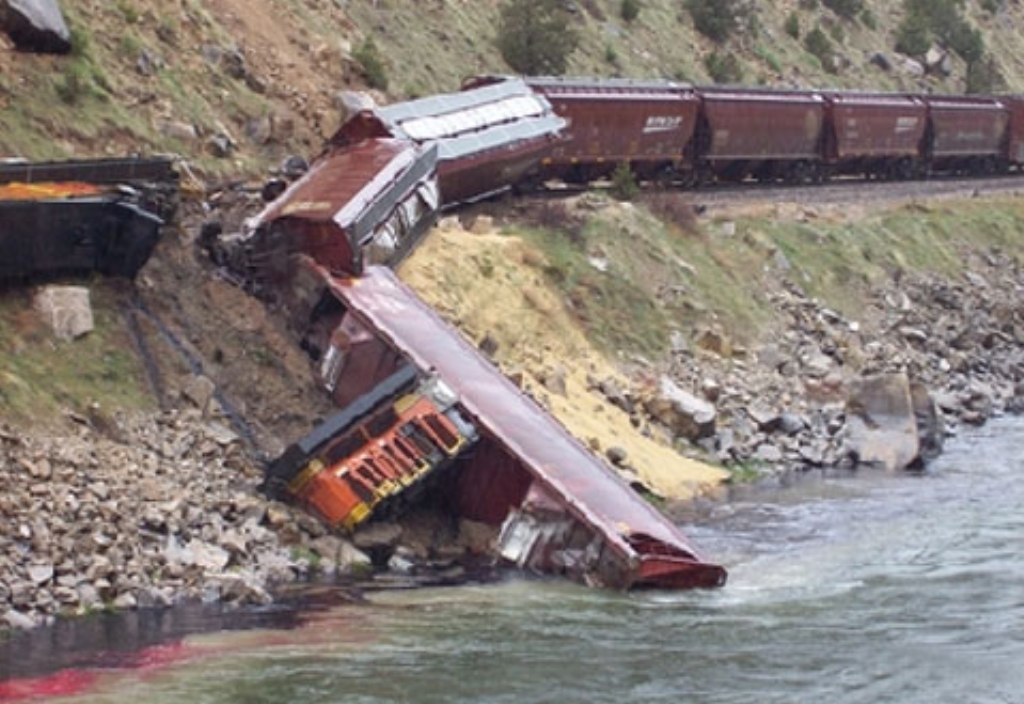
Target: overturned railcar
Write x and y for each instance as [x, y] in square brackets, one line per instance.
[431, 408]
[366, 204]
[64, 228]
[488, 138]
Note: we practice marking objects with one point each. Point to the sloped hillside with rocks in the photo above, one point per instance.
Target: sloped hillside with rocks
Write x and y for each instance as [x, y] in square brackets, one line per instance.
[235, 86]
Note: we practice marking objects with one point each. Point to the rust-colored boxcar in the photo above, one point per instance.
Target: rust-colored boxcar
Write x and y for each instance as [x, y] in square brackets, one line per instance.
[764, 133]
[366, 203]
[968, 132]
[874, 133]
[489, 138]
[1015, 131]
[648, 124]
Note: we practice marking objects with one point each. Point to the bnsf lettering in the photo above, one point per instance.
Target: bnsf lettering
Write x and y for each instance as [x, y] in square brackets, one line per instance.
[662, 123]
[906, 124]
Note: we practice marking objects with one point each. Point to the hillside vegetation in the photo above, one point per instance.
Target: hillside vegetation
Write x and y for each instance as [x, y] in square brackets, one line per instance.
[235, 85]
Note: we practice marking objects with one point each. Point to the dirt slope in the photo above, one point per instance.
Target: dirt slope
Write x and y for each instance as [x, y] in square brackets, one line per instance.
[491, 286]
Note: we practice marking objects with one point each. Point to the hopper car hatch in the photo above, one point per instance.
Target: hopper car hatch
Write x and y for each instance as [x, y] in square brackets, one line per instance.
[556, 508]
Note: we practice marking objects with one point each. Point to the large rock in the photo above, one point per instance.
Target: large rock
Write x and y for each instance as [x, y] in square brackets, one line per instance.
[685, 414]
[66, 309]
[881, 422]
[35, 25]
[931, 430]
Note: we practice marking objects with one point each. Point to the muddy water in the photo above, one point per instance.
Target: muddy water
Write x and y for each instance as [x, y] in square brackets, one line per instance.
[851, 589]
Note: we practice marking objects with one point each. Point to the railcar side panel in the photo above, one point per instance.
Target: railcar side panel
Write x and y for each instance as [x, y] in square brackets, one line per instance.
[966, 127]
[1015, 131]
[875, 125]
[762, 125]
[648, 125]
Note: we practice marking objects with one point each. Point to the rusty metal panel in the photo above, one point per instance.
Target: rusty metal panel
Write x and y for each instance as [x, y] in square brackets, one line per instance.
[101, 233]
[876, 124]
[1015, 147]
[348, 197]
[647, 124]
[583, 487]
[967, 126]
[762, 125]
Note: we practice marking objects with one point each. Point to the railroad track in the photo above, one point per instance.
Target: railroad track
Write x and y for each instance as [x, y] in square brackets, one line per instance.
[838, 192]
[842, 192]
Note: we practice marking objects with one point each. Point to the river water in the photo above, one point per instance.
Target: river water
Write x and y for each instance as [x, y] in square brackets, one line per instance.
[861, 588]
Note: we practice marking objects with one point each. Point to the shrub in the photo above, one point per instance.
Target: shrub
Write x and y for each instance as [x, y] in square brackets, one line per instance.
[818, 44]
[940, 20]
[534, 36]
[75, 83]
[792, 25]
[983, 76]
[723, 68]
[624, 185]
[715, 19]
[913, 37]
[809, 5]
[372, 64]
[868, 19]
[611, 56]
[630, 10]
[845, 8]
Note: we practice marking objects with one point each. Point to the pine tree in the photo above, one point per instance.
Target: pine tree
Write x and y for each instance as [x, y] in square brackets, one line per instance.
[534, 36]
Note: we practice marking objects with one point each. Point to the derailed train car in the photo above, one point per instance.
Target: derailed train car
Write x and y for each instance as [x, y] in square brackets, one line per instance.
[489, 138]
[64, 228]
[439, 412]
[368, 203]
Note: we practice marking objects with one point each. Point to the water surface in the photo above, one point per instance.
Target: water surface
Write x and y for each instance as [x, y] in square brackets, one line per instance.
[863, 588]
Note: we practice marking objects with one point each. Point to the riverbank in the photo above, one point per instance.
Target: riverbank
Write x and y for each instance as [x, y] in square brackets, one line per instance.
[687, 350]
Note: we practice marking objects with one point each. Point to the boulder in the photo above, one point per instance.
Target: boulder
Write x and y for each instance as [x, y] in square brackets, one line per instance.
[685, 415]
[35, 25]
[931, 430]
[66, 309]
[881, 426]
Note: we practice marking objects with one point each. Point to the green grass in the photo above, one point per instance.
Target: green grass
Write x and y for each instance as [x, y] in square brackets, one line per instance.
[662, 278]
[40, 375]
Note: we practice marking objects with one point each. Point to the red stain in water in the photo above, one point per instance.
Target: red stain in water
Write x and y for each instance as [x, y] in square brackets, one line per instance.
[68, 683]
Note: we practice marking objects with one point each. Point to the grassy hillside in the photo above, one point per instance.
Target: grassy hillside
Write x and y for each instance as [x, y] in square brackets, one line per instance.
[168, 77]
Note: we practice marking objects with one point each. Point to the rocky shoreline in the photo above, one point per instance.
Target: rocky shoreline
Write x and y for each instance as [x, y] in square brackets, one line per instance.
[120, 511]
[926, 356]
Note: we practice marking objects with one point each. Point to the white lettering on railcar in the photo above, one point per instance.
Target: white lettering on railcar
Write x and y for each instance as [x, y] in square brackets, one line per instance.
[662, 123]
[906, 124]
